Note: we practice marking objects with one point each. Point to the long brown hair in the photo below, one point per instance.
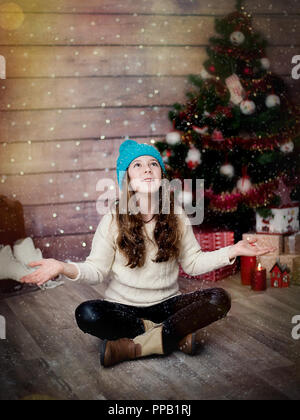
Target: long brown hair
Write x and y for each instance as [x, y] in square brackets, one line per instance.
[131, 237]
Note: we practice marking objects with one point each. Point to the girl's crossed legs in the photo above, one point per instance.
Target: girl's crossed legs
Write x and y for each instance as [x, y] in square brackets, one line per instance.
[180, 315]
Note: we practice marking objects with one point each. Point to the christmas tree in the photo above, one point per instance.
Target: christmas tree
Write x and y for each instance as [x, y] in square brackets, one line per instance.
[238, 130]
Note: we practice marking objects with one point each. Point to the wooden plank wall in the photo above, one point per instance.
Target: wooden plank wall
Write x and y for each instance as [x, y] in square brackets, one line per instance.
[81, 76]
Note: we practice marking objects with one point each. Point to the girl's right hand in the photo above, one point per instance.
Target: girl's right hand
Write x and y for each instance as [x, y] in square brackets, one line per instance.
[49, 269]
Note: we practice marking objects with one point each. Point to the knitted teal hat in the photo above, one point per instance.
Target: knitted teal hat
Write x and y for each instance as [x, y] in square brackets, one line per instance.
[128, 151]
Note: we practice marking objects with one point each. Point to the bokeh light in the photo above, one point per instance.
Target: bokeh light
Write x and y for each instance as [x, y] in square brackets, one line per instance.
[11, 16]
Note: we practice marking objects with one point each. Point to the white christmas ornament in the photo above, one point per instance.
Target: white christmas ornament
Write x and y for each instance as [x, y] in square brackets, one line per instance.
[172, 138]
[227, 170]
[265, 63]
[287, 147]
[244, 184]
[237, 38]
[205, 75]
[247, 107]
[272, 100]
[185, 198]
[193, 156]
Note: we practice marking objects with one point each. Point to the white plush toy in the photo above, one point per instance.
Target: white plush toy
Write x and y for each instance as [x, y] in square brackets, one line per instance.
[13, 264]
[25, 251]
[10, 268]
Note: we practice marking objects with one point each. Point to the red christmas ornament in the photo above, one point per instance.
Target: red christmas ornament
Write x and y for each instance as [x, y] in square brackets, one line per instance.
[212, 69]
[192, 165]
[217, 135]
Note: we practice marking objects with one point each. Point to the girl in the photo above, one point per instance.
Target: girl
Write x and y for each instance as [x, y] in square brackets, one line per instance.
[140, 245]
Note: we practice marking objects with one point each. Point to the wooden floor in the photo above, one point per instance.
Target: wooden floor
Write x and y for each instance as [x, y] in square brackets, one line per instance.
[249, 355]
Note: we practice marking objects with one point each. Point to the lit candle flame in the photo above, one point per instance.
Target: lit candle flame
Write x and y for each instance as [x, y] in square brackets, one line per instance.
[259, 267]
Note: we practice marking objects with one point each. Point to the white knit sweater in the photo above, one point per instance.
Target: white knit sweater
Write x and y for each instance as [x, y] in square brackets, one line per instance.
[152, 283]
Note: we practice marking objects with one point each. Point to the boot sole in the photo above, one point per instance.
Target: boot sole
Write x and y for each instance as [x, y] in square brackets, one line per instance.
[194, 346]
[102, 351]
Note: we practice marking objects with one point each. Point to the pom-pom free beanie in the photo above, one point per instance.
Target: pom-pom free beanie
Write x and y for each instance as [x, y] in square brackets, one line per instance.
[128, 151]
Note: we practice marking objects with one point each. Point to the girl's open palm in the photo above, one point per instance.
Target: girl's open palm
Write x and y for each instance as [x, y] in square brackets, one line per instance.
[49, 269]
[249, 248]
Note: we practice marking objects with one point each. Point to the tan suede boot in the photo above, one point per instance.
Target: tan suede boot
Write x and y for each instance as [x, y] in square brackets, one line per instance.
[151, 341]
[116, 351]
[148, 324]
[187, 344]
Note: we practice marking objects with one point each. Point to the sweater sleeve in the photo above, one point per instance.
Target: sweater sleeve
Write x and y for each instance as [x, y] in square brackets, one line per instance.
[98, 264]
[192, 259]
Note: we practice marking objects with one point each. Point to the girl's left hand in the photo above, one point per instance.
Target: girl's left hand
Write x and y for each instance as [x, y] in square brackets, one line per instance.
[249, 248]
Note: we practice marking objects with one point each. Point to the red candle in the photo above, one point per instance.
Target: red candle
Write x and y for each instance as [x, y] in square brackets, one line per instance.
[248, 266]
[259, 279]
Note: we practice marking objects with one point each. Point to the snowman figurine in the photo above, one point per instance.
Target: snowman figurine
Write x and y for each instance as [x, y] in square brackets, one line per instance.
[237, 38]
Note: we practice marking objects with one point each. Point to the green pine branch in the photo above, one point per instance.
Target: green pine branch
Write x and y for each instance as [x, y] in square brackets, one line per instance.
[239, 4]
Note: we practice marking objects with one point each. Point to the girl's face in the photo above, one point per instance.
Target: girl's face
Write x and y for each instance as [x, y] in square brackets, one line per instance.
[140, 169]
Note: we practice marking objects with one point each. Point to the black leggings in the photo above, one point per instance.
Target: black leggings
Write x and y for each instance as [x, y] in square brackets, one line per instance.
[180, 316]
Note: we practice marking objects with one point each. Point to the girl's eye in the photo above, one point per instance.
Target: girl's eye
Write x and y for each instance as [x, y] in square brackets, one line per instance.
[153, 163]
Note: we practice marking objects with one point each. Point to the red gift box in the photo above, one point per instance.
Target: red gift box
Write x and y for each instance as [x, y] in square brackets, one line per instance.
[211, 241]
